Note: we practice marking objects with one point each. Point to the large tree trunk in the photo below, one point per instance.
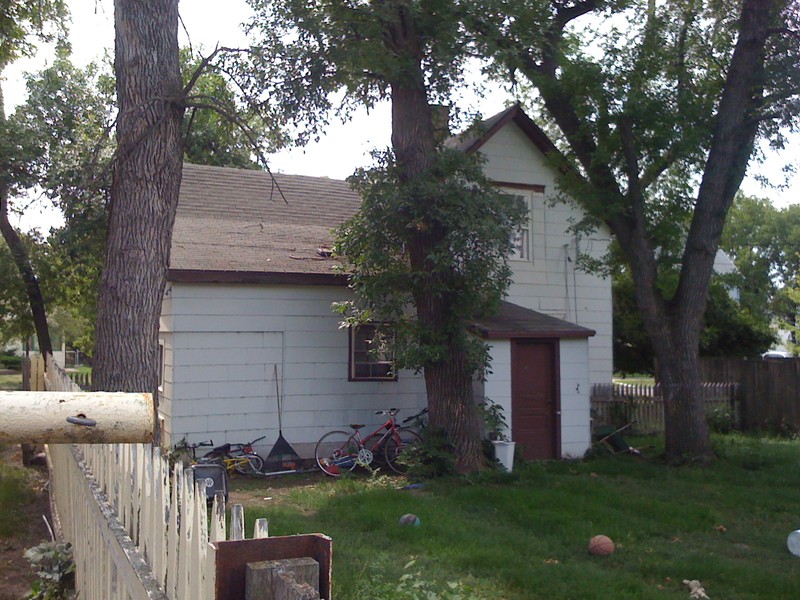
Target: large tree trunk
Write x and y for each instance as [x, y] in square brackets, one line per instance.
[676, 340]
[732, 145]
[674, 324]
[23, 263]
[144, 195]
[448, 379]
[31, 281]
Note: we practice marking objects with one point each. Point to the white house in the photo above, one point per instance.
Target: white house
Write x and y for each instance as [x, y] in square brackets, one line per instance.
[249, 295]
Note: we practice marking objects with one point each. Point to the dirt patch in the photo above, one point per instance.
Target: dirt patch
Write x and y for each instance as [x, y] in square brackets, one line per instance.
[270, 491]
[15, 572]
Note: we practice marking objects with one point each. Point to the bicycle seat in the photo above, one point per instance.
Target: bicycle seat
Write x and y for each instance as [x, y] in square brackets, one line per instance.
[223, 448]
[357, 425]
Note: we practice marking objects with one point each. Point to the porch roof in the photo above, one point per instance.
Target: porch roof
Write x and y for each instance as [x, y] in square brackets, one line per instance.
[514, 321]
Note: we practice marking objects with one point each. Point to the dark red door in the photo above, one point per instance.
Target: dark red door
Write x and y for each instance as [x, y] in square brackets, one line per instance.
[534, 398]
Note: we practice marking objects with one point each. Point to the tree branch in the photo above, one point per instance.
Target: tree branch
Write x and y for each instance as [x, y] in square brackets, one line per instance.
[201, 101]
[204, 64]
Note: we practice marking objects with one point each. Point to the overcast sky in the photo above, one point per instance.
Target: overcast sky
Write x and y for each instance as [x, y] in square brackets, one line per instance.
[344, 148]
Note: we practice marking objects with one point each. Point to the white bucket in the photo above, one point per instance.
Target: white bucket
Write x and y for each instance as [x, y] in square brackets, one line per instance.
[793, 542]
[504, 452]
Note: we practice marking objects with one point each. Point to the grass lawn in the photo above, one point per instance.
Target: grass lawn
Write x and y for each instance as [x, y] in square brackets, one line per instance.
[635, 379]
[525, 535]
[10, 382]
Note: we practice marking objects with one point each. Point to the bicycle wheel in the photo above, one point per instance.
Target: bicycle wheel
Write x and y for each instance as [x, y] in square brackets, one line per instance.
[336, 452]
[249, 464]
[394, 447]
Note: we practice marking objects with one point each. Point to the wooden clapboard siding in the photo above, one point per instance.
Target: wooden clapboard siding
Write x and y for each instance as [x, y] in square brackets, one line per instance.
[575, 397]
[549, 282]
[223, 344]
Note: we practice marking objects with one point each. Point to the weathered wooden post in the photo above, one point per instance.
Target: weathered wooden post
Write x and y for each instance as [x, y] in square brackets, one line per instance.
[287, 579]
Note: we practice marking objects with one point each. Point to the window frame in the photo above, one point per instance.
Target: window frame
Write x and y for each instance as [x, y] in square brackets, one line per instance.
[353, 364]
[162, 357]
[528, 193]
[523, 234]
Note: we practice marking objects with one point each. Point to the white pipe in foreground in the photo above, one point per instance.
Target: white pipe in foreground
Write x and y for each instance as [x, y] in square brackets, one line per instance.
[76, 417]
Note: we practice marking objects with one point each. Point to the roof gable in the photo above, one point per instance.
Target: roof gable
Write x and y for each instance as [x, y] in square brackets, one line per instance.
[475, 137]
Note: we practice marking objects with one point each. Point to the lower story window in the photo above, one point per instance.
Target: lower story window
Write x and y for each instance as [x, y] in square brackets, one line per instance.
[370, 358]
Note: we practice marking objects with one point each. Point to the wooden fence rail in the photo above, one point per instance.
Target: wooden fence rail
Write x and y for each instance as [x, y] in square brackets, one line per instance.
[619, 404]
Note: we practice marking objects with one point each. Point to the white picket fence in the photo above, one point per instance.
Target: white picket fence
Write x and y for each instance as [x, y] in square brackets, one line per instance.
[141, 530]
[138, 528]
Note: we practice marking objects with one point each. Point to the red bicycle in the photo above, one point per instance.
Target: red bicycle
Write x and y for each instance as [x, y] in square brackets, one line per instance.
[340, 451]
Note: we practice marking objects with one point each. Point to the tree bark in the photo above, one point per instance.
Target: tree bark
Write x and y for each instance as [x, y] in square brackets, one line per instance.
[144, 195]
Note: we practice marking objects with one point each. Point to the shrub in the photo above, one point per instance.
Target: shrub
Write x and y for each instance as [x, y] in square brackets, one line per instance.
[55, 569]
[721, 419]
[10, 361]
[434, 457]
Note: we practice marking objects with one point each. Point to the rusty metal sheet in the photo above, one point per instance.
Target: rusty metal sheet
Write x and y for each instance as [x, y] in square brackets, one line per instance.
[232, 558]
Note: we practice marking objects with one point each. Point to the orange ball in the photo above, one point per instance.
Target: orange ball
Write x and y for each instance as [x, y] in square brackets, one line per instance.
[601, 545]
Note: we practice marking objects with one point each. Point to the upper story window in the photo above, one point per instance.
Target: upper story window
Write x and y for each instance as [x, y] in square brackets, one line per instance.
[521, 238]
[370, 359]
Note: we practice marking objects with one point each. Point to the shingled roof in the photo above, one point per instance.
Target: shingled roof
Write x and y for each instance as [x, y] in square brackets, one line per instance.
[514, 321]
[241, 226]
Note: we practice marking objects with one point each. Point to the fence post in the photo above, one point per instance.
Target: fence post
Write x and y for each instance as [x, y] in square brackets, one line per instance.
[237, 522]
[26, 373]
[261, 529]
[289, 579]
[37, 373]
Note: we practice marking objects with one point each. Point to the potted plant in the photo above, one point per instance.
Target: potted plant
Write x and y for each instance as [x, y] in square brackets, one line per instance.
[496, 430]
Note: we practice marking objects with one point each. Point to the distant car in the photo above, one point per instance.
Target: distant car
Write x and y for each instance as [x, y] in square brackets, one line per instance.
[776, 354]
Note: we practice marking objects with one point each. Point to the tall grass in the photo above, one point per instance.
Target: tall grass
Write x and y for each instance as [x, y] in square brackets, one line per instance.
[524, 535]
[14, 494]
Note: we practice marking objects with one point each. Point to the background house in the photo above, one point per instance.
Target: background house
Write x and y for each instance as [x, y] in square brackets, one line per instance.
[249, 296]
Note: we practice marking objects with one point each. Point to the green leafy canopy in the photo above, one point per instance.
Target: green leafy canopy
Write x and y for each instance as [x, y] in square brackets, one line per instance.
[311, 60]
[469, 266]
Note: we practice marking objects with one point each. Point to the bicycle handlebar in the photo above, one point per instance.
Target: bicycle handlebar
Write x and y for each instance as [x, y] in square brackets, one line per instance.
[416, 416]
[184, 444]
[391, 412]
